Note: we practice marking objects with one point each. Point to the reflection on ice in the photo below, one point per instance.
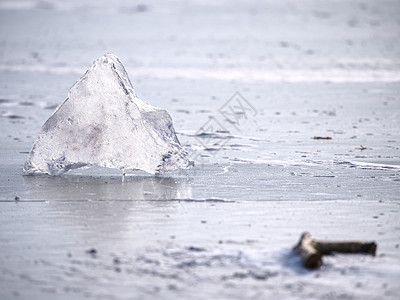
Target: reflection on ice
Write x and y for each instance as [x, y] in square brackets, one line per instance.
[78, 187]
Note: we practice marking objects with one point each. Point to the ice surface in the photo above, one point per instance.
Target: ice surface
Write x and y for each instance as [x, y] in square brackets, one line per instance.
[103, 123]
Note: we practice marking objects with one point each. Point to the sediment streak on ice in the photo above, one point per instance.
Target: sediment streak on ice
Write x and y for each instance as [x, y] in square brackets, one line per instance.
[103, 123]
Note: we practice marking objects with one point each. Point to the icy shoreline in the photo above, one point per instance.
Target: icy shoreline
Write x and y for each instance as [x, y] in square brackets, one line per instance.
[224, 229]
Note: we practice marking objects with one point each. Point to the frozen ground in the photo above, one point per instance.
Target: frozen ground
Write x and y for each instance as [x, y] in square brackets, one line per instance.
[224, 229]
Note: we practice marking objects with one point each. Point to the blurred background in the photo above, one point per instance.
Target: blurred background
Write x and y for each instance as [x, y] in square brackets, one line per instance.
[325, 68]
[301, 65]
[291, 41]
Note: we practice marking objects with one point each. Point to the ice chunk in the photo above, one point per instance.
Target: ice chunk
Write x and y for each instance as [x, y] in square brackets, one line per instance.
[103, 123]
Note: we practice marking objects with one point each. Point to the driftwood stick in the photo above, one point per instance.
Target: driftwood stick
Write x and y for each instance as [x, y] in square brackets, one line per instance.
[311, 257]
[311, 251]
[326, 248]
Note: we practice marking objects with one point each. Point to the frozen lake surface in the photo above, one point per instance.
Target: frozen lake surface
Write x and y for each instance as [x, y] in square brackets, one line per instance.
[254, 90]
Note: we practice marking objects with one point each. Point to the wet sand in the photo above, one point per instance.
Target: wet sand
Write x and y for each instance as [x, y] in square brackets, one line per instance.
[225, 228]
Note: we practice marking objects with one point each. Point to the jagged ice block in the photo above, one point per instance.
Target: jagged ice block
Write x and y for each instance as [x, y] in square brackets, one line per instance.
[103, 123]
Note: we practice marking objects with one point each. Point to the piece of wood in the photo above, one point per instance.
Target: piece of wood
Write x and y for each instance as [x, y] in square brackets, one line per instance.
[327, 248]
[322, 138]
[311, 251]
[311, 258]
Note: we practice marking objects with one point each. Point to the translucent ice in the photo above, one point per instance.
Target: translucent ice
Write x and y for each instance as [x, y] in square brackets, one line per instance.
[103, 123]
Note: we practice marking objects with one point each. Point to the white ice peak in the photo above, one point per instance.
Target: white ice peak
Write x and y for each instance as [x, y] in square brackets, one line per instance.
[103, 123]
